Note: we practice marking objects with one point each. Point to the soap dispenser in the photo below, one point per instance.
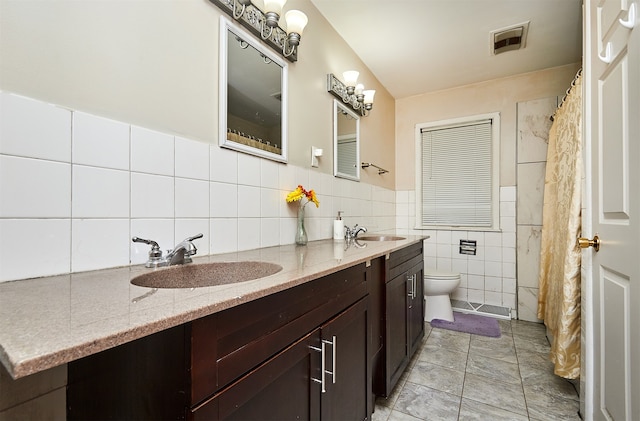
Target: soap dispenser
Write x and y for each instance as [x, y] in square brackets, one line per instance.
[338, 227]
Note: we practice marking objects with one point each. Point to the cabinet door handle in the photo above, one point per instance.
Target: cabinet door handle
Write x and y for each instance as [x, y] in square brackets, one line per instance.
[413, 279]
[333, 343]
[415, 285]
[322, 366]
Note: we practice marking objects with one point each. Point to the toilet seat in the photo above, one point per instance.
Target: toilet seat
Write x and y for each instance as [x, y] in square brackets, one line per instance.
[439, 274]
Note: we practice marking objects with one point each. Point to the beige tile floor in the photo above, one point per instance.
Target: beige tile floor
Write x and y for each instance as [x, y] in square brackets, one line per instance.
[459, 376]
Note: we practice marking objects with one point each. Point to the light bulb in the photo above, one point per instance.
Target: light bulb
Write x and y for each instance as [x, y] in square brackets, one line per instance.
[368, 96]
[274, 6]
[368, 99]
[296, 21]
[350, 78]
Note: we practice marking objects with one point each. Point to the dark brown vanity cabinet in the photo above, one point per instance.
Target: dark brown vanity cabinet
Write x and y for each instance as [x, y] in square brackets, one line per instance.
[302, 353]
[322, 376]
[404, 312]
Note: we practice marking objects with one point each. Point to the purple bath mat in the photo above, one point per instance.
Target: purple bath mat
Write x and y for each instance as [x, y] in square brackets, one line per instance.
[470, 323]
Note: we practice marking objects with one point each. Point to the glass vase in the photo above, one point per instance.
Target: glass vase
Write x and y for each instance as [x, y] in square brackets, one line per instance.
[301, 233]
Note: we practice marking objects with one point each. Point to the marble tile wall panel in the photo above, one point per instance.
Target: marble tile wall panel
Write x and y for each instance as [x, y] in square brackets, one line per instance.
[533, 128]
[528, 304]
[530, 181]
[528, 255]
[533, 136]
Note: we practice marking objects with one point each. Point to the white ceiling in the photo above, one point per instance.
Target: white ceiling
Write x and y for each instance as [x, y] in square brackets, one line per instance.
[418, 46]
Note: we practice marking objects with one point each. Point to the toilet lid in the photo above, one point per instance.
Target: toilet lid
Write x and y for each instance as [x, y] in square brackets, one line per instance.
[439, 274]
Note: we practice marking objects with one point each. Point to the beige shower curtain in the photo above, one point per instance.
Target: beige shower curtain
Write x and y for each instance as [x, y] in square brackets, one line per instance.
[559, 278]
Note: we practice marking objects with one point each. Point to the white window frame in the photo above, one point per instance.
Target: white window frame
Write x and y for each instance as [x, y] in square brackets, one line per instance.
[495, 169]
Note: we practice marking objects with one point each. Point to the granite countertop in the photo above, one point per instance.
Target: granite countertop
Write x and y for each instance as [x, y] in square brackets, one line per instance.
[49, 321]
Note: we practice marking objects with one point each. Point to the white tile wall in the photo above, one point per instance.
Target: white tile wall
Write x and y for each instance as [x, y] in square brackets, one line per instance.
[192, 198]
[489, 276]
[223, 165]
[249, 170]
[152, 152]
[48, 139]
[152, 196]
[34, 188]
[100, 192]
[99, 243]
[18, 236]
[192, 159]
[158, 186]
[84, 185]
[248, 201]
[100, 142]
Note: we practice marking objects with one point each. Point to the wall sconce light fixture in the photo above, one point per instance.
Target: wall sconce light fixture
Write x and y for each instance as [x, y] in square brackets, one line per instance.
[265, 24]
[351, 92]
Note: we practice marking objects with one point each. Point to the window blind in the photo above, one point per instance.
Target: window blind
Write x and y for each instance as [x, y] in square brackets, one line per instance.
[348, 155]
[456, 175]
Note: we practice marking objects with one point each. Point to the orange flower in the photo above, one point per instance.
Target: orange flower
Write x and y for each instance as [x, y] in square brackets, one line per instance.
[313, 198]
[299, 193]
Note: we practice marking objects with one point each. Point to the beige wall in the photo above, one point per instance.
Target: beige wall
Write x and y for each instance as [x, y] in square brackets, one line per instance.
[155, 64]
[499, 95]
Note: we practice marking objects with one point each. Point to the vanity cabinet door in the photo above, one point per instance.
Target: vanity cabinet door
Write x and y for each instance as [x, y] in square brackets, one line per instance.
[376, 288]
[404, 311]
[348, 382]
[397, 331]
[279, 389]
[291, 386]
[415, 306]
[227, 345]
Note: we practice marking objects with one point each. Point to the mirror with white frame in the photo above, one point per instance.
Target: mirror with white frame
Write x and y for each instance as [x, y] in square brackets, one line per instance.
[253, 95]
[346, 142]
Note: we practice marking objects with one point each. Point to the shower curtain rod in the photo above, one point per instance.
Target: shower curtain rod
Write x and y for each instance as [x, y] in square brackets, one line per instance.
[573, 83]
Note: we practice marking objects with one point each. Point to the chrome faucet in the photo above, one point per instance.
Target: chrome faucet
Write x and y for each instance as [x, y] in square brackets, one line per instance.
[180, 254]
[352, 233]
[183, 251]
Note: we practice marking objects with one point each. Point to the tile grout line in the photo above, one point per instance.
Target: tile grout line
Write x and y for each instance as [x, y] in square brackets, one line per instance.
[464, 377]
[524, 395]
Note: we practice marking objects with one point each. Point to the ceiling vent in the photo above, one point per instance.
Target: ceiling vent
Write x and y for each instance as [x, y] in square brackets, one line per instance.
[508, 39]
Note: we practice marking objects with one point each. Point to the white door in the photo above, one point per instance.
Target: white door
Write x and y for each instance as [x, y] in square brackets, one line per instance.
[612, 202]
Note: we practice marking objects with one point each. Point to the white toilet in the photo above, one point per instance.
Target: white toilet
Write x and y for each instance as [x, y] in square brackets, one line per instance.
[437, 287]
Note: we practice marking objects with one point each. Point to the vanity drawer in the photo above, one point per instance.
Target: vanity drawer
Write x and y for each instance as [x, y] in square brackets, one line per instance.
[226, 345]
[402, 260]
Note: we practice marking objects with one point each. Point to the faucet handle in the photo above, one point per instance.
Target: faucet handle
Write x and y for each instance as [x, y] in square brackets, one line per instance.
[195, 237]
[155, 254]
[142, 240]
[189, 248]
